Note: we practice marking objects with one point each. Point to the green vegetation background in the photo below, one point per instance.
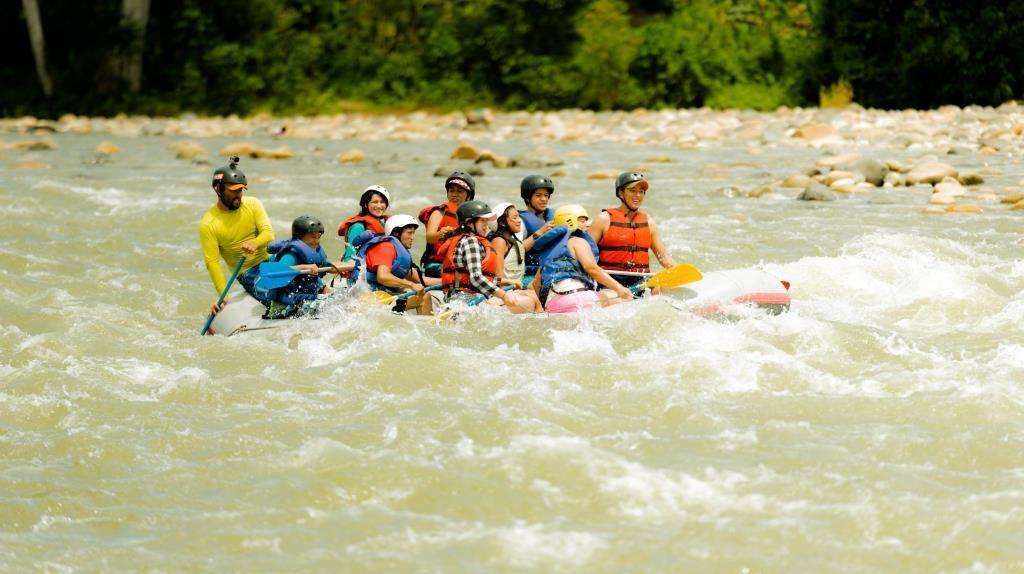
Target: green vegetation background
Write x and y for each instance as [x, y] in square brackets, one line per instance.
[325, 56]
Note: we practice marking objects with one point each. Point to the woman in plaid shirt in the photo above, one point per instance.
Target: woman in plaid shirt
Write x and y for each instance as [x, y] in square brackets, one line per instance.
[470, 263]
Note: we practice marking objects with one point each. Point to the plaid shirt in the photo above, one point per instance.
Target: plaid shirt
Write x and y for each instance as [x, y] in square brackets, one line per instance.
[469, 255]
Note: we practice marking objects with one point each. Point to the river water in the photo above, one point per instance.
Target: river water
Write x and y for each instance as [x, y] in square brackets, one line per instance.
[876, 427]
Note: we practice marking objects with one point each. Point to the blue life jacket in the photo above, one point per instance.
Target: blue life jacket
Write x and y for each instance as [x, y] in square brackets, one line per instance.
[532, 223]
[304, 287]
[558, 263]
[400, 267]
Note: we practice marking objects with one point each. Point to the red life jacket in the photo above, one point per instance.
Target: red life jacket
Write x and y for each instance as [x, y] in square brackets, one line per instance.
[625, 244]
[372, 224]
[453, 277]
[432, 253]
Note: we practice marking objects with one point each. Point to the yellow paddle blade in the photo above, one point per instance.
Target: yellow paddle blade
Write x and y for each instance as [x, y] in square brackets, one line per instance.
[384, 297]
[674, 277]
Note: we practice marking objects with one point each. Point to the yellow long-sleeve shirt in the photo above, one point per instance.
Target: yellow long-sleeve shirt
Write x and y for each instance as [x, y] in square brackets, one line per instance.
[222, 233]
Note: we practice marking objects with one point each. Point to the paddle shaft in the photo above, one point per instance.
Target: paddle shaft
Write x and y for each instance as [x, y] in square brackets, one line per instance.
[293, 272]
[629, 273]
[223, 295]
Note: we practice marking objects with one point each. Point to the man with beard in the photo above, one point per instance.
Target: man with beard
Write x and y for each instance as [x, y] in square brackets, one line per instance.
[233, 228]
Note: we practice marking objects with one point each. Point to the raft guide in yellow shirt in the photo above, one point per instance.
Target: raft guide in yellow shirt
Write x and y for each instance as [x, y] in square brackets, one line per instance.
[222, 233]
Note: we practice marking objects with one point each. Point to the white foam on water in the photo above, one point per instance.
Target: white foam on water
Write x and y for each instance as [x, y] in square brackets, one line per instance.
[316, 451]
[539, 546]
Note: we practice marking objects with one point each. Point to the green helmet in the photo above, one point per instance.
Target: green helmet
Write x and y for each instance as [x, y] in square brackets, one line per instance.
[472, 210]
[463, 180]
[304, 224]
[230, 173]
[532, 183]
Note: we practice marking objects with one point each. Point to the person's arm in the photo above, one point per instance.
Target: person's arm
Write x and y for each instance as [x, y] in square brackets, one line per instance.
[581, 251]
[386, 278]
[353, 231]
[433, 223]
[600, 225]
[264, 230]
[501, 248]
[658, 247]
[532, 238]
[292, 261]
[211, 257]
[473, 257]
[428, 281]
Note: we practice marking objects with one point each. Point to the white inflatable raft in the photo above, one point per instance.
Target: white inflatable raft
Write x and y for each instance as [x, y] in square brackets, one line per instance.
[719, 290]
[714, 294]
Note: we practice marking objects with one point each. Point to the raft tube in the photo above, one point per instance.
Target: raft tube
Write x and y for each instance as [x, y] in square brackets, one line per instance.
[718, 290]
[241, 313]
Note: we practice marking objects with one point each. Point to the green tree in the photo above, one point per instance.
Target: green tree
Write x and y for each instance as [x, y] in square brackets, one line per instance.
[608, 44]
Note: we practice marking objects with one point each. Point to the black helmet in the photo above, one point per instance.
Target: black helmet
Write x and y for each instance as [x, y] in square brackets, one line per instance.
[229, 173]
[472, 210]
[464, 178]
[532, 183]
[628, 178]
[304, 224]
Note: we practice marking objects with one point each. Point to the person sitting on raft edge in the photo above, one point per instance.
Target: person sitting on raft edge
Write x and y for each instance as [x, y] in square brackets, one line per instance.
[470, 264]
[373, 205]
[302, 252]
[389, 265]
[536, 191]
[233, 228]
[570, 278]
[625, 235]
[443, 219]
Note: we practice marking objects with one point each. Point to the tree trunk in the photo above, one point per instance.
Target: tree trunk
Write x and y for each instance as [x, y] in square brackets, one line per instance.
[35, 34]
[135, 16]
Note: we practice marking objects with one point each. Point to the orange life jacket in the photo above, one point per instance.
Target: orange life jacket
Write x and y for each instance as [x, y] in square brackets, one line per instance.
[372, 224]
[625, 244]
[432, 253]
[453, 277]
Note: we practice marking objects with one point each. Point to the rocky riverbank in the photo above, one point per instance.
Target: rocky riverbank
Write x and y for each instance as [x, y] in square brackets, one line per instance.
[936, 138]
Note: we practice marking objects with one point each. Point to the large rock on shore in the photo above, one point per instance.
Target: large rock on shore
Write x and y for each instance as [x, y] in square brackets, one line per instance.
[498, 161]
[240, 149]
[872, 170]
[930, 172]
[187, 150]
[949, 186]
[815, 131]
[798, 181]
[352, 155]
[283, 152]
[107, 148]
[465, 151]
[817, 192]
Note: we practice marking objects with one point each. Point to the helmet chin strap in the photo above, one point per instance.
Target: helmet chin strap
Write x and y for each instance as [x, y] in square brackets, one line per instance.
[622, 198]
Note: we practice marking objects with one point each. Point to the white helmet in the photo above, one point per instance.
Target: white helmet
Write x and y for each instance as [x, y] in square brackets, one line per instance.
[499, 210]
[399, 221]
[378, 189]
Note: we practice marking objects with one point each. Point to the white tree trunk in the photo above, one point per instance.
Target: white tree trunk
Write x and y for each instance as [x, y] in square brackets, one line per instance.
[35, 34]
[135, 13]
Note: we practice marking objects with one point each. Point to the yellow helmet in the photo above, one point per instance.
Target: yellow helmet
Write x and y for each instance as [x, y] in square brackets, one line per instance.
[569, 215]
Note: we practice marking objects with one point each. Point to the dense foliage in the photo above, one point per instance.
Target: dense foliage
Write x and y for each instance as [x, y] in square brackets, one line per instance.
[322, 56]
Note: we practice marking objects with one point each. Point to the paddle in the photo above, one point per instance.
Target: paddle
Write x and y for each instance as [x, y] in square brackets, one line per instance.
[671, 277]
[209, 320]
[630, 273]
[274, 275]
[388, 298]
